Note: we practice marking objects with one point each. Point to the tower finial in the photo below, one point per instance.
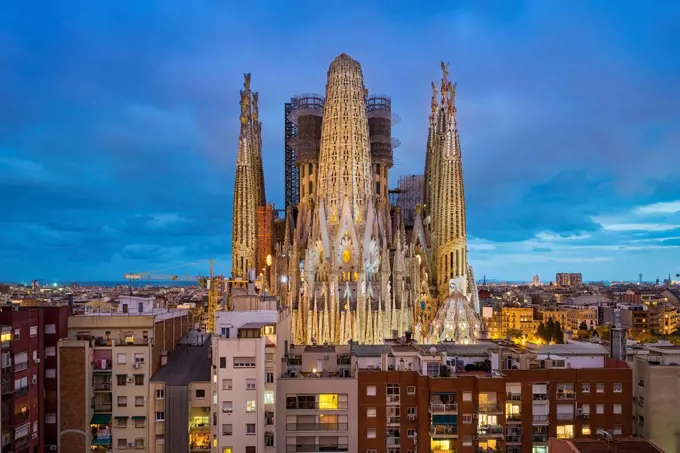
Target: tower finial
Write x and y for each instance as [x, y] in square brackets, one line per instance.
[245, 106]
[246, 82]
[255, 107]
[434, 102]
[445, 71]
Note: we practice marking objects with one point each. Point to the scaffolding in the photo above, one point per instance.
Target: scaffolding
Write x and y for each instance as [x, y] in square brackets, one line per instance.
[408, 194]
[379, 115]
[265, 236]
[307, 115]
[292, 174]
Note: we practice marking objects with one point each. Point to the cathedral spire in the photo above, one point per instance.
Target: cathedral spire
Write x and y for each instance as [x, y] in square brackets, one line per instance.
[243, 241]
[260, 195]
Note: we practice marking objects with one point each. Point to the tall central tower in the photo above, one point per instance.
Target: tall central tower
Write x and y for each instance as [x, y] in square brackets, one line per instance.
[345, 159]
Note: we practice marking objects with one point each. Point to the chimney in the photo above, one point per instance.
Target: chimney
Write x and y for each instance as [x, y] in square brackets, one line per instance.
[164, 358]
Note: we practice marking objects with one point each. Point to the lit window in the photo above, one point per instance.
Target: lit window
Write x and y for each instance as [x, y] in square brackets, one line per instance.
[371, 412]
[370, 434]
[269, 397]
[618, 388]
[585, 430]
[467, 396]
[251, 406]
[370, 390]
[328, 401]
[565, 431]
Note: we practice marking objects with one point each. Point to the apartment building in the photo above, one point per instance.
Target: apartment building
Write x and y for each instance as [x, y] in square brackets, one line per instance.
[104, 369]
[244, 370]
[616, 445]
[180, 413]
[567, 279]
[318, 400]
[29, 377]
[656, 390]
[489, 397]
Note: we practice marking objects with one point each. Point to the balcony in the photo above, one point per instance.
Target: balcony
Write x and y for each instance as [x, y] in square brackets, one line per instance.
[312, 448]
[393, 420]
[393, 440]
[540, 397]
[392, 399]
[489, 450]
[316, 427]
[539, 438]
[101, 386]
[21, 391]
[20, 417]
[566, 395]
[102, 367]
[102, 407]
[441, 408]
[7, 386]
[569, 416]
[490, 431]
[540, 419]
[101, 439]
[513, 417]
[20, 366]
[20, 442]
[513, 396]
[513, 439]
[492, 408]
[443, 431]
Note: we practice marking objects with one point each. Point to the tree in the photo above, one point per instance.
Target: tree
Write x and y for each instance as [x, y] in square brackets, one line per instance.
[514, 334]
[583, 326]
[557, 335]
[542, 333]
[550, 328]
[582, 333]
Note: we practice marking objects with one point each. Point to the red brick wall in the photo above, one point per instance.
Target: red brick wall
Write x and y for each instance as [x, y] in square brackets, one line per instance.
[72, 404]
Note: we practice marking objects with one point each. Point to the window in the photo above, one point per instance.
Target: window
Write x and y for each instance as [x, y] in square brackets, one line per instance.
[160, 439]
[227, 430]
[122, 444]
[20, 361]
[227, 407]
[618, 388]
[250, 429]
[617, 409]
[600, 388]
[139, 379]
[585, 388]
[467, 397]
[34, 331]
[160, 394]
[585, 408]
[269, 378]
[433, 369]
[200, 394]
[268, 439]
[250, 384]
[121, 422]
[585, 430]
[251, 406]
[122, 401]
[370, 434]
[244, 362]
[35, 426]
[565, 431]
[139, 401]
[50, 373]
[50, 418]
[411, 412]
[121, 379]
[411, 432]
[370, 390]
[226, 384]
[50, 328]
[565, 392]
[328, 401]
[160, 416]
[269, 397]
[371, 412]
[223, 362]
[467, 418]
[139, 442]
[139, 422]
[371, 450]
[121, 358]
[17, 334]
[599, 408]
[410, 390]
[618, 429]
[393, 393]
[139, 357]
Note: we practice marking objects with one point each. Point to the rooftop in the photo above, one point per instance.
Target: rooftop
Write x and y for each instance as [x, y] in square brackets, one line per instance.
[159, 314]
[189, 362]
[627, 445]
[572, 349]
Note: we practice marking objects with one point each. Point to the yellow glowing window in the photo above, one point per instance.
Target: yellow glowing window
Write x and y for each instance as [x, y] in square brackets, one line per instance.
[269, 397]
[565, 431]
[328, 401]
[585, 430]
[440, 445]
[130, 339]
[269, 330]
[6, 337]
[251, 406]
[227, 450]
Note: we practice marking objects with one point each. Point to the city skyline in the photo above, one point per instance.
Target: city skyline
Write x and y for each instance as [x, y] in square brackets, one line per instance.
[119, 129]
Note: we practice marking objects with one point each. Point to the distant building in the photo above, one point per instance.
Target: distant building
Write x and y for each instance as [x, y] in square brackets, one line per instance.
[569, 279]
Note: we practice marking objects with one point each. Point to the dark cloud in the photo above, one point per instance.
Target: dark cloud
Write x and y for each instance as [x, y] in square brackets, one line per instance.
[119, 121]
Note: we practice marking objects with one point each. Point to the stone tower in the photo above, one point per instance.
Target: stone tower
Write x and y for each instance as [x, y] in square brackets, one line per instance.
[447, 200]
[243, 241]
[345, 160]
[260, 196]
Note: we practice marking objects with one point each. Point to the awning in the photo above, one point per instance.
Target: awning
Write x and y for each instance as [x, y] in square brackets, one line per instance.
[139, 417]
[444, 419]
[100, 419]
[102, 441]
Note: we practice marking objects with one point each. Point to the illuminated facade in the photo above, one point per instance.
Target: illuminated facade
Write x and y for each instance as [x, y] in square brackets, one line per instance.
[353, 269]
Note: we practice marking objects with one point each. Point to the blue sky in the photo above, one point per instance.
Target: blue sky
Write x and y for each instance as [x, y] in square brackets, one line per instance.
[119, 124]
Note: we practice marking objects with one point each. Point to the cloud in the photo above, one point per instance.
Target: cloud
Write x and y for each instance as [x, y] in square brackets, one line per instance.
[119, 125]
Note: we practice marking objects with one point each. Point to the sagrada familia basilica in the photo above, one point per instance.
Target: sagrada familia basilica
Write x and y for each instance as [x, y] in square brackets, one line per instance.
[348, 266]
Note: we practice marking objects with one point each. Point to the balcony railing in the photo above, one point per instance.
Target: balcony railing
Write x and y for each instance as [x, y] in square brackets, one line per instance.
[101, 386]
[441, 408]
[20, 442]
[316, 427]
[21, 391]
[513, 438]
[490, 408]
[20, 417]
[393, 440]
[7, 386]
[565, 416]
[392, 399]
[566, 395]
[539, 438]
[489, 450]
[490, 430]
[540, 419]
[513, 417]
[540, 397]
[312, 448]
[102, 407]
[443, 430]
[20, 366]
[310, 406]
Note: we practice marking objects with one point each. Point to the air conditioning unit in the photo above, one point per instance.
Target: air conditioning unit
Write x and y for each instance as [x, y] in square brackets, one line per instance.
[579, 411]
[131, 444]
[34, 436]
[34, 380]
[586, 416]
[131, 379]
[475, 437]
[136, 365]
[52, 448]
[36, 360]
